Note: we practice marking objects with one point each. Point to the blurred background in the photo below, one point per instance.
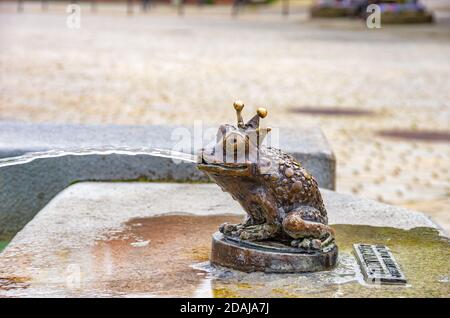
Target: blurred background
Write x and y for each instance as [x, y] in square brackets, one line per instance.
[381, 95]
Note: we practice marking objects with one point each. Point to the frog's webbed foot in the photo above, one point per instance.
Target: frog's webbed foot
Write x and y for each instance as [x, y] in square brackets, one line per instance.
[231, 229]
[309, 243]
[236, 229]
[259, 232]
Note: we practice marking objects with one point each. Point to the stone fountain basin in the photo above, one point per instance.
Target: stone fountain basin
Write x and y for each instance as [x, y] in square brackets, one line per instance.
[130, 239]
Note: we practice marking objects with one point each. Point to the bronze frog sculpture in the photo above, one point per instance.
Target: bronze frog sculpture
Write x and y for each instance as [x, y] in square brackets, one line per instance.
[282, 200]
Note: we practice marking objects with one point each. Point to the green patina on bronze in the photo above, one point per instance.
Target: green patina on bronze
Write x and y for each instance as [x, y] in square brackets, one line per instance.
[3, 245]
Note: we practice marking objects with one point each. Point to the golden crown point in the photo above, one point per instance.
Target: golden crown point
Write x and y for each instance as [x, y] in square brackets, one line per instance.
[262, 112]
[238, 105]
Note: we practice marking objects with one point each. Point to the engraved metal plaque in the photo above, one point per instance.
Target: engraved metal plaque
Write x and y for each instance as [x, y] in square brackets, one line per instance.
[378, 265]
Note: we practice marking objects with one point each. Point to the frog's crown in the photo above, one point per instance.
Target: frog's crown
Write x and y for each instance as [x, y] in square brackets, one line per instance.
[253, 124]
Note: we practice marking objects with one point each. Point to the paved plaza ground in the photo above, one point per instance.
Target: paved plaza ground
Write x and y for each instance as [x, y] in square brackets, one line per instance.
[159, 68]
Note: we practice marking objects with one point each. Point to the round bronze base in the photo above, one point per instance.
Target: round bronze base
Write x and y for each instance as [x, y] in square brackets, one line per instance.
[268, 257]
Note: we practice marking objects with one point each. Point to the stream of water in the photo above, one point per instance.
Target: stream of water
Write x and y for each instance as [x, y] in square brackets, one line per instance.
[149, 151]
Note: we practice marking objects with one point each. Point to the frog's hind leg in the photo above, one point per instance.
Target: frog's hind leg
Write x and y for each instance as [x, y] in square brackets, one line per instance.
[307, 234]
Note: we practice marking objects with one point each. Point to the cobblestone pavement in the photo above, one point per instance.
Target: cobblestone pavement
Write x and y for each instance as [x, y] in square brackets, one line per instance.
[158, 68]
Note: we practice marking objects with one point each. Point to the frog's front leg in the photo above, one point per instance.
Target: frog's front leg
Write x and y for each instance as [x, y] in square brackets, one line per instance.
[231, 229]
[236, 229]
[257, 232]
[262, 222]
[260, 232]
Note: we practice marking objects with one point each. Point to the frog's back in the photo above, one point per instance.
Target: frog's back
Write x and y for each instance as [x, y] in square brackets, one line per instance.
[292, 185]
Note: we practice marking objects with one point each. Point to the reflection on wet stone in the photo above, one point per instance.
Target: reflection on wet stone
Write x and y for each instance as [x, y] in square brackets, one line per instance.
[179, 266]
[174, 263]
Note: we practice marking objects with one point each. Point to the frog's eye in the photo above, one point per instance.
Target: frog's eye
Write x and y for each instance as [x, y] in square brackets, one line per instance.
[235, 139]
[234, 147]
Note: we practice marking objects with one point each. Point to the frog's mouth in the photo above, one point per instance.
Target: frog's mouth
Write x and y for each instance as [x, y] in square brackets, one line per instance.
[221, 167]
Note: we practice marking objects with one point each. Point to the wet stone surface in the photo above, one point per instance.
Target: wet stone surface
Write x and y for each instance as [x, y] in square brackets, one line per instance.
[124, 240]
[168, 256]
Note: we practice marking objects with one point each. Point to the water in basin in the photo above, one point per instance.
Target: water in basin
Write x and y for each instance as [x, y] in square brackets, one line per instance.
[168, 256]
